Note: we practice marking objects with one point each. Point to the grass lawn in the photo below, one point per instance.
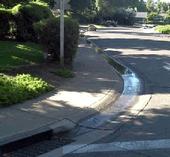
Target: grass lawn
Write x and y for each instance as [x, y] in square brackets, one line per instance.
[165, 29]
[13, 54]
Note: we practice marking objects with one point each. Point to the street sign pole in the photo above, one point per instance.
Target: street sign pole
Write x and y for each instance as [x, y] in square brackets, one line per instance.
[62, 32]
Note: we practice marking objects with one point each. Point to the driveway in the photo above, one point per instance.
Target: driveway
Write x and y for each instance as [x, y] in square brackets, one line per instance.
[148, 55]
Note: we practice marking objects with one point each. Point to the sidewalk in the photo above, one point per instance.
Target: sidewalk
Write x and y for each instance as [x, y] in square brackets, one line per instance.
[94, 87]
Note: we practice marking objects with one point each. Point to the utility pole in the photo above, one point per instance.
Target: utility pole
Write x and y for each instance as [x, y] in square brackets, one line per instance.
[62, 32]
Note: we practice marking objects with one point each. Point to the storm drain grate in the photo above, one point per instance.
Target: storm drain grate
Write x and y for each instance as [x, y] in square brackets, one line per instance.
[39, 148]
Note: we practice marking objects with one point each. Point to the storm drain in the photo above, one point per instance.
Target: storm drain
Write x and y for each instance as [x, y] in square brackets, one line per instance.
[39, 148]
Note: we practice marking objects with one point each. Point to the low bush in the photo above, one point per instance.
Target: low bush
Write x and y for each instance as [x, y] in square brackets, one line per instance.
[163, 29]
[49, 35]
[20, 88]
[167, 17]
[154, 18]
[119, 16]
[64, 72]
[124, 16]
[5, 16]
[25, 15]
[51, 3]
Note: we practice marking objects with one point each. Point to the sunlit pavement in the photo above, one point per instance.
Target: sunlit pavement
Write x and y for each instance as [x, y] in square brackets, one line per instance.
[148, 55]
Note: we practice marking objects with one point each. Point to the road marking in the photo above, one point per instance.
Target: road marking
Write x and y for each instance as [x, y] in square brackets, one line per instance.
[125, 146]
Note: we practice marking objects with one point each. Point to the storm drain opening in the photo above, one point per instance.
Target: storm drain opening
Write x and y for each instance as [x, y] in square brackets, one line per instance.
[35, 146]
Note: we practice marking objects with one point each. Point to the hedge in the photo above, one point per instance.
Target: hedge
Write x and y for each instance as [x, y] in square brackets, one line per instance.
[12, 3]
[154, 18]
[25, 15]
[49, 35]
[5, 15]
[19, 20]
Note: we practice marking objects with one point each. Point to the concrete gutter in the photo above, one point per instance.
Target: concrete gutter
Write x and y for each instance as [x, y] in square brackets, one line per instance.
[134, 85]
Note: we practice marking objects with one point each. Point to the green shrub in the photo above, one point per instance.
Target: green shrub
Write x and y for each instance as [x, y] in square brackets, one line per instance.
[64, 72]
[120, 16]
[21, 87]
[5, 16]
[25, 15]
[11, 3]
[163, 29]
[154, 18]
[124, 16]
[49, 35]
[49, 2]
[167, 18]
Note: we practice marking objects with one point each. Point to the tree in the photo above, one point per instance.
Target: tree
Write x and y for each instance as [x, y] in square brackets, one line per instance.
[11, 3]
[80, 6]
[162, 7]
[150, 5]
[112, 4]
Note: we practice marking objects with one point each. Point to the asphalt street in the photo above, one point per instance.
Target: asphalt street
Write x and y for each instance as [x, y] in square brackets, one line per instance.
[148, 55]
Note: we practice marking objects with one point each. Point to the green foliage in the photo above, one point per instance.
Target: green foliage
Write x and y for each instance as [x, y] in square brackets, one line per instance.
[80, 6]
[141, 6]
[167, 17]
[121, 11]
[115, 4]
[15, 54]
[64, 72]
[11, 3]
[151, 16]
[25, 15]
[83, 10]
[154, 18]
[49, 2]
[49, 34]
[5, 16]
[124, 17]
[20, 88]
[163, 29]
[150, 5]
[162, 7]
[120, 16]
